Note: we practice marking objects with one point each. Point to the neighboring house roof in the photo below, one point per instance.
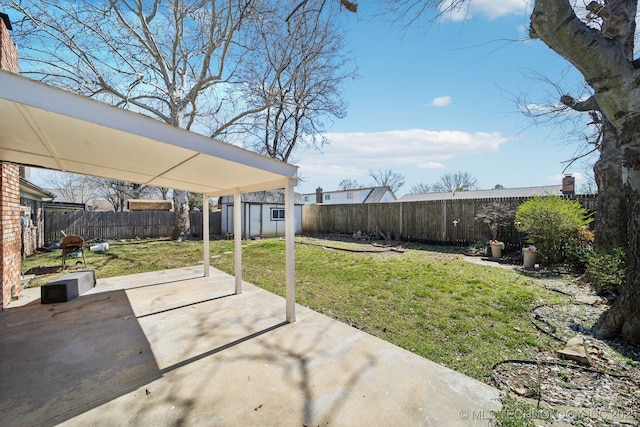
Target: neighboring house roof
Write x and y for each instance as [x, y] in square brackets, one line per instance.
[485, 194]
[28, 187]
[377, 193]
[61, 195]
[64, 206]
[149, 205]
[100, 205]
[269, 196]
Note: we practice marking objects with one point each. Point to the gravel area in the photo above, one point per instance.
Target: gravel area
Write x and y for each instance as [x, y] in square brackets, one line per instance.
[607, 392]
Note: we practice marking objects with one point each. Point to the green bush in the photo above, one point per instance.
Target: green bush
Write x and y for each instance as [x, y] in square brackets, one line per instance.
[577, 256]
[551, 223]
[608, 271]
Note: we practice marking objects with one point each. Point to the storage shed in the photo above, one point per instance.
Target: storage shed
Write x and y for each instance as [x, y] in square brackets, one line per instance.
[263, 214]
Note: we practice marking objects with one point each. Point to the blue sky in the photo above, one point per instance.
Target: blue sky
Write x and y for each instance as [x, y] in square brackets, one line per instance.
[430, 101]
[441, 99]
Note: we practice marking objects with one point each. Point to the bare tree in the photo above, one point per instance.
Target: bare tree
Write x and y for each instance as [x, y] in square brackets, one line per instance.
[612, 219]
[118, 192]
[165, 59]
[420, 188]
[459, 181]
[70, 187]
[387, 178]
[192, 63]
[348, 184]
[601, 47]
[589, 187]
[297, 76]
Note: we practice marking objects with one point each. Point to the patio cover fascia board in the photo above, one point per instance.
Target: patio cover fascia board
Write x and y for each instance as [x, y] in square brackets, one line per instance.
[52, 128]
[273, 185]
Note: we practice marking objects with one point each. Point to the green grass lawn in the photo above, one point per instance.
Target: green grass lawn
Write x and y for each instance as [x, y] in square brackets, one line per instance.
[462, 315]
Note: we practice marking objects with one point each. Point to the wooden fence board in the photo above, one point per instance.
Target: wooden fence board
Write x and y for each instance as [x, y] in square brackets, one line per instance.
[423, 221]
[120, 225]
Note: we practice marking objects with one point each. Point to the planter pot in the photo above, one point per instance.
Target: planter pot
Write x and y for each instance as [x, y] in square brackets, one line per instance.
[529, 259]
[496, 250]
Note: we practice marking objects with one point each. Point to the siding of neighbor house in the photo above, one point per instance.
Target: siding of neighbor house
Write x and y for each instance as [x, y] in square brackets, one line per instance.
[356, 196]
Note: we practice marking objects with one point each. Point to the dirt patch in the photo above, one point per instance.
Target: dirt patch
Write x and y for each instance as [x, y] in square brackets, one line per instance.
[41, 271]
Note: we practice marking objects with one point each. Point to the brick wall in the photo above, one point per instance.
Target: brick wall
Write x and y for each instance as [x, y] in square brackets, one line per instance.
[8, 51]
[10, 230]
[33, 232]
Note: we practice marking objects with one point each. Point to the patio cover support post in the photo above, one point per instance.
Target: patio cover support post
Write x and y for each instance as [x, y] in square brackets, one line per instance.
[205, 233]
[289, 237]
[237, 237]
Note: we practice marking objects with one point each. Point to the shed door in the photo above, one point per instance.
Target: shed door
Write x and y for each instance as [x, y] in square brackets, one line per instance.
[229, 220]
[255, 221]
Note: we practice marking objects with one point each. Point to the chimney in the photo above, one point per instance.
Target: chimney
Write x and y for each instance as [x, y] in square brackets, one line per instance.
[568, 185]
[319, 195]
[8, 50]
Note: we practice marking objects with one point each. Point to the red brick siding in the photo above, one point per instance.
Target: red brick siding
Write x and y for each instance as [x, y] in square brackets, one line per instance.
[10, 230]
[33, 233]
[8, 51]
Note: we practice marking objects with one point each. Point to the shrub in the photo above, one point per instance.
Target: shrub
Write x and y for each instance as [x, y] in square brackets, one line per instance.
[551, 223]
[608, 271]
[477, 249]
[577, 256]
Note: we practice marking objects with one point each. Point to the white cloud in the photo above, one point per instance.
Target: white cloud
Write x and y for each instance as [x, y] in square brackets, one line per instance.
[331, 171]
[492, 9]
[441, 101]
[431, 165]
[351, 155]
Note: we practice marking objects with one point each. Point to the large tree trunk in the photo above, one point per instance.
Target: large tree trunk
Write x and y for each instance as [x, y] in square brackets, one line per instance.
[623, 318]
[181, 222]
[611, 217]
[605, 59]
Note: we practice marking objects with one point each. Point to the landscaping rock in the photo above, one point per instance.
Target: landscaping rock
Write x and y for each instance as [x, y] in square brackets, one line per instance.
[576, 350]
[588, 299]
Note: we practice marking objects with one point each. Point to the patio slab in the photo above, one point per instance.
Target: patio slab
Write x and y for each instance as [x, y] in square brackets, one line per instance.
[175, 348]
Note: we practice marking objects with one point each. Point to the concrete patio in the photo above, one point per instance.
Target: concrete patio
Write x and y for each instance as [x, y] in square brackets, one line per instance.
[175, 348]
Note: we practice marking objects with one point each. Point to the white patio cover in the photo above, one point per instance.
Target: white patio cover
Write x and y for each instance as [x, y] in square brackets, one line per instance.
[47, 127]
[52, 128]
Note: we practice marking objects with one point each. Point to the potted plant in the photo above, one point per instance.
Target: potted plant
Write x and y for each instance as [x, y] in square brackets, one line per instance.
[496, 248]
[494, 215]
[529, 254]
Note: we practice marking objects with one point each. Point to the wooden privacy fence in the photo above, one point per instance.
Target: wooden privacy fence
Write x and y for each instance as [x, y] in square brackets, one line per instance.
[439, 221]
[120, 225]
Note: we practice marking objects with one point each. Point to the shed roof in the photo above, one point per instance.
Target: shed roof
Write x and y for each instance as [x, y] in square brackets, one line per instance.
[485, 194]
[51, 128]
[270, 197]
